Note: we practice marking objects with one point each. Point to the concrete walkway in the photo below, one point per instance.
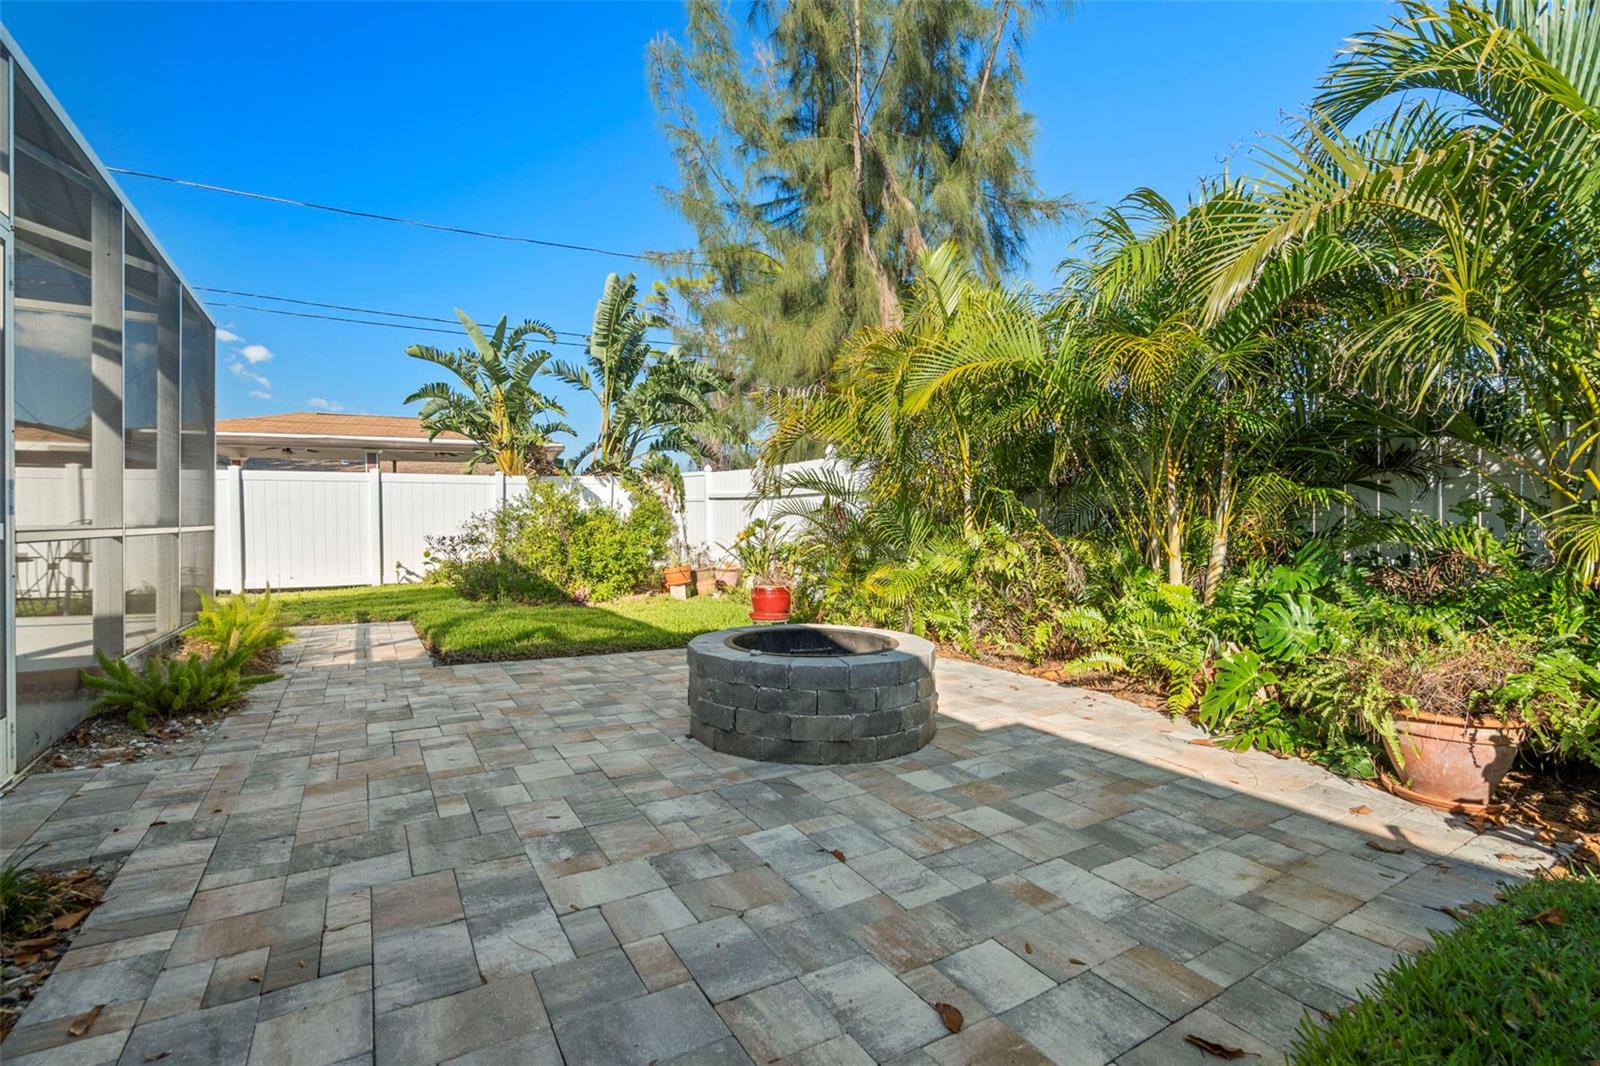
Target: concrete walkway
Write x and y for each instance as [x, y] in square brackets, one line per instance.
[385, 860]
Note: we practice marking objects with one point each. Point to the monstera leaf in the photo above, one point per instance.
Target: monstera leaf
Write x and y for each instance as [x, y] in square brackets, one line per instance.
[1240, 676]
[1289, 628]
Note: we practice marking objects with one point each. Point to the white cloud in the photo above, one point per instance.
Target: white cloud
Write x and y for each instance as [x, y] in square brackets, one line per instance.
[256, 353]
[228, 336]
[242, 371]
[324, 405]
[260, 394]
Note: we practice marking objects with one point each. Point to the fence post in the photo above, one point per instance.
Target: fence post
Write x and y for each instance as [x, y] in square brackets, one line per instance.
[236, 509]
[374, 525]
[500, 486]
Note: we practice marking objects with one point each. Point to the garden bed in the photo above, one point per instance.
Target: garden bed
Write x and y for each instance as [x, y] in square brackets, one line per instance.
[458, 630]
[108, 740]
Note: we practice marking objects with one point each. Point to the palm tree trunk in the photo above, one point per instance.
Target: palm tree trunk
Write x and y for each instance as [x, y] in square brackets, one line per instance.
[1222, 522]
[1174, 532]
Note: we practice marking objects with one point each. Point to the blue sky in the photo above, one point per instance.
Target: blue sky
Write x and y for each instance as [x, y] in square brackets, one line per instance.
[534, 119]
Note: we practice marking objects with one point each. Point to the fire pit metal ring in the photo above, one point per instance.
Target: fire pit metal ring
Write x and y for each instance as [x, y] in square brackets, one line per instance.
[811, 694]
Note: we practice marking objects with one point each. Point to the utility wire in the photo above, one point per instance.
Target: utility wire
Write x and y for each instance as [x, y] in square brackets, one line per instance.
[348, 307]
[643, 257]
[361, 321]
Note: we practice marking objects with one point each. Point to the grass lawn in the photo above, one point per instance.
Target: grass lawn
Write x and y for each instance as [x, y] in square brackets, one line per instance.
[460, 630]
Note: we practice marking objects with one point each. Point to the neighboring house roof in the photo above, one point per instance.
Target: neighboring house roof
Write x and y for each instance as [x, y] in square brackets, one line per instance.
[406, 428]
[327, 435]
[36, 437]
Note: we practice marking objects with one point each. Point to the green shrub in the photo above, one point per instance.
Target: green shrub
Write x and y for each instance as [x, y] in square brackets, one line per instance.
[251, 621]
[501, 580]
[546, 547]
[167, 687]
[611, 556]
[1517, 982]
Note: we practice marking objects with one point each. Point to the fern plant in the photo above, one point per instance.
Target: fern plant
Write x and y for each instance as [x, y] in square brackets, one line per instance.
[168, 687]
[249, 623]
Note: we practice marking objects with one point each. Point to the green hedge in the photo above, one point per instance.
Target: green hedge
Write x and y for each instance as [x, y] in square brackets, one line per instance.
[1518, 982]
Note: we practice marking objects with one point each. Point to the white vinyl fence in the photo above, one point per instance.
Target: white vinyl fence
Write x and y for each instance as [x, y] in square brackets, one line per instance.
[296, 529]
[292, 529]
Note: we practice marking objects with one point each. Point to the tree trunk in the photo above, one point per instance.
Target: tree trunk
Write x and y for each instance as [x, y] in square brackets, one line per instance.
[888, 298]
[994, 53]
[1222, 520]
[1174, 534]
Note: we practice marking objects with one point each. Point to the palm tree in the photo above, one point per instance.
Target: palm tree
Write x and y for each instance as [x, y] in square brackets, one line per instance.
[651, 401]
[496, 406]
[1475, 213]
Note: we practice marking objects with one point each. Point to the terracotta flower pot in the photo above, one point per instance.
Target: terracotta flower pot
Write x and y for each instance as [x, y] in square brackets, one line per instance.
[769, 603]
[705, 581]
[1450, 762]
[728, 576]
[677, 575]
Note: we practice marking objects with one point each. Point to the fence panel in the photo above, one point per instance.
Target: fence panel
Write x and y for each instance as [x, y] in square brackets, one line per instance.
[305, 529]
[418, 506]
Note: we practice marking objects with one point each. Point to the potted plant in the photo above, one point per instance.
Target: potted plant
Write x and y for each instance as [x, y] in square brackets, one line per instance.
[1461, 711]
[763, 557]
[679, 568]
[727, 573]
[770, 597]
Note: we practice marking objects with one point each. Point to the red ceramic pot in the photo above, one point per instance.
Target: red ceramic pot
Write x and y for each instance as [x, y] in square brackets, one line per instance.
[769, 603]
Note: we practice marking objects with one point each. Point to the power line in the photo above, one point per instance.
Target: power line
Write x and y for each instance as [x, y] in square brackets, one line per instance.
[643, 257]
[348, 307]
[361, 321]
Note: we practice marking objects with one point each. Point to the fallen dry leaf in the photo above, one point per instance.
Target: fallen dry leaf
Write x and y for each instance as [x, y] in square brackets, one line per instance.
[1077, 962]
[158, 821]
[1505, 856]
[951, 1016]
[36, 943]
[67, 921]
[84, 1021]
[1387, 849]
[156, 1056]
[1027, 948]
[1363, 809]
[836, 853]
[1203, 742]
[1211, 1047]
[1548, 916]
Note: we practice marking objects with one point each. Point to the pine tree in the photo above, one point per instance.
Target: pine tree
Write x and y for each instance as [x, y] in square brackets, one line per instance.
[857, 135]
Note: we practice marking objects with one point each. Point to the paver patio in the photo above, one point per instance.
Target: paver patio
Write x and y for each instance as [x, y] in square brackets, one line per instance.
[382, 859]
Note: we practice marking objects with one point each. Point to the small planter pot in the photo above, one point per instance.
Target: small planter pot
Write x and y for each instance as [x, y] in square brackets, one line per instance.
[677, 575]
[727, 577]
[705, 581]
[769, 603]
[1448, 762]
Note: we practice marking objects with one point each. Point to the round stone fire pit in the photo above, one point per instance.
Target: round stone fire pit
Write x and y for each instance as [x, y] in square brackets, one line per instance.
[811, 693]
